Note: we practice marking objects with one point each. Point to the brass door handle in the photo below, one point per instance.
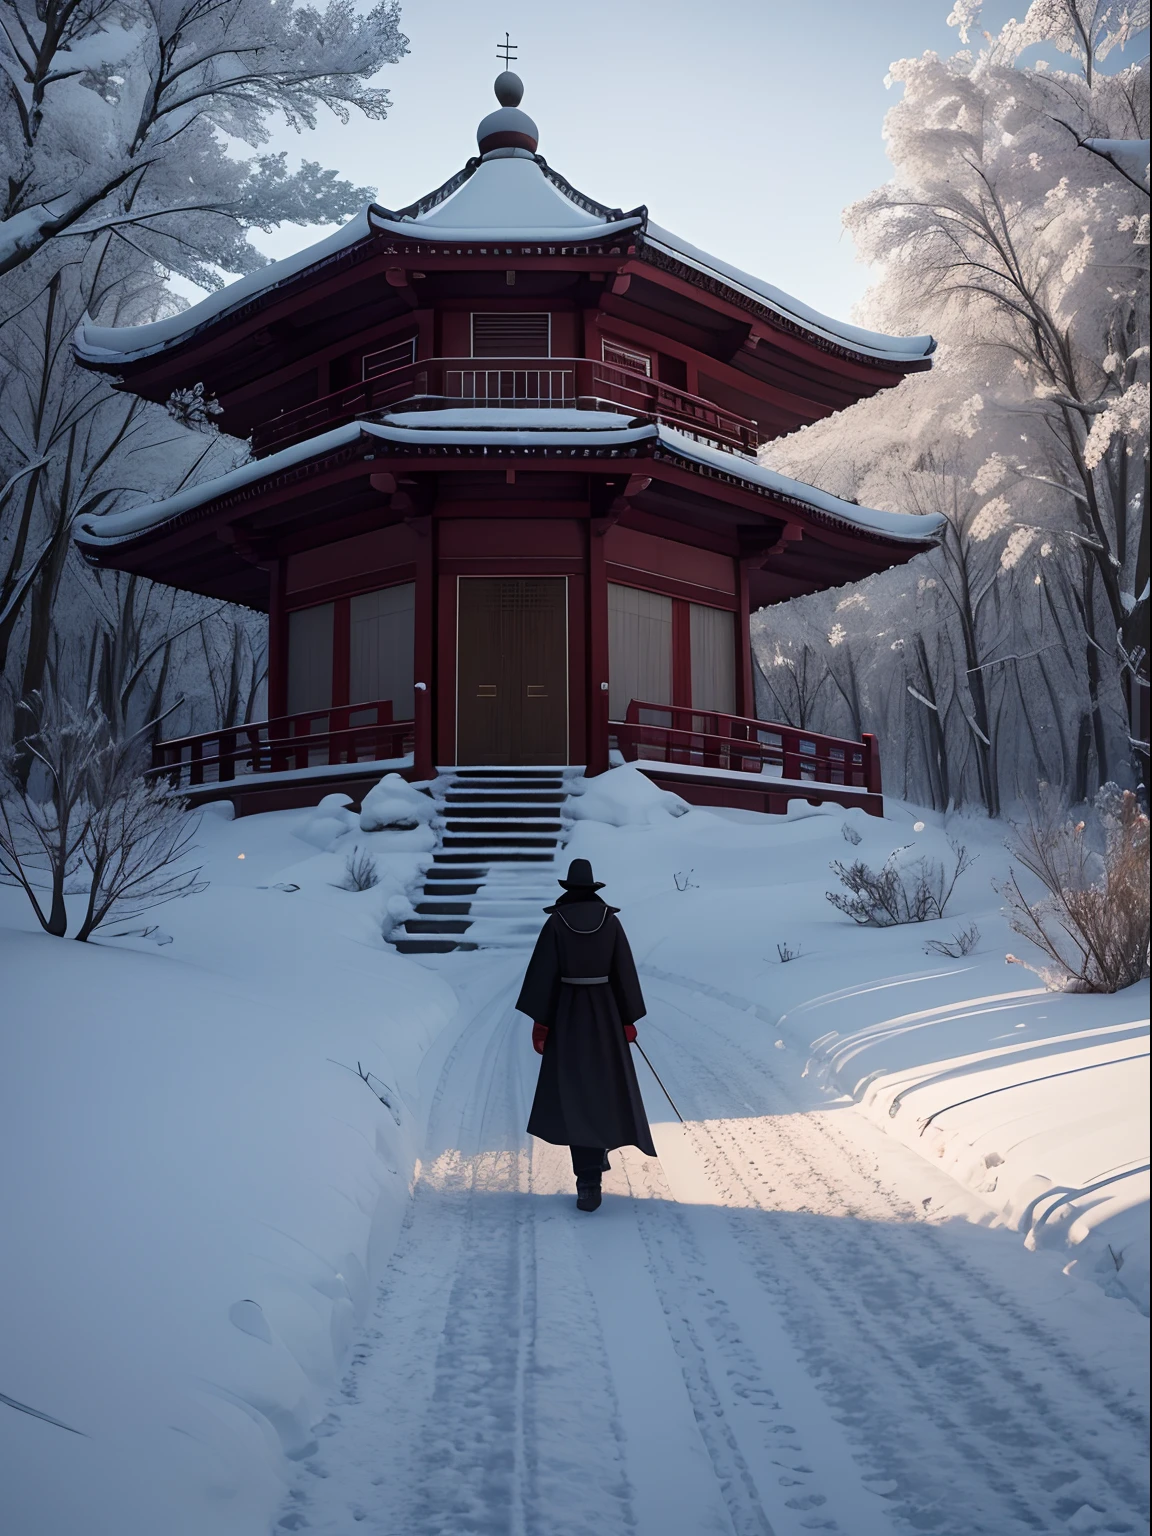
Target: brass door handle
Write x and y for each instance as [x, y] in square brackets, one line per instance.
[486, 691]
[537, 691]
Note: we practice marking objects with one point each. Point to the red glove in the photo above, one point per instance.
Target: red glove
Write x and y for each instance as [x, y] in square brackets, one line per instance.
[630, 1033]
[539, 1035]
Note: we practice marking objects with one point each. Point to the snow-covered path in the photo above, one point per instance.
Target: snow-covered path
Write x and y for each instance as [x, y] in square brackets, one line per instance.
[764, 1331]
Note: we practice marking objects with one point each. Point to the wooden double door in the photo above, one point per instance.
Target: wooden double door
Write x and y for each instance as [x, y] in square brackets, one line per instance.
[512, 670]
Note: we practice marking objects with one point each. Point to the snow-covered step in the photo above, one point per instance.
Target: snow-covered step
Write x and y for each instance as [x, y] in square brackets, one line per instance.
[495, 866]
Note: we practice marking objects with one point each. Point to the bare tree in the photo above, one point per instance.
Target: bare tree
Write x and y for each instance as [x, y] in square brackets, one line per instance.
[795, 684]
[236, 660]
[87, 816]
[42, 834]
[136, 845]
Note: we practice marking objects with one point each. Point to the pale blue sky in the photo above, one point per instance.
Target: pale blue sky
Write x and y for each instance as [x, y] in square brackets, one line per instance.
[746, 126]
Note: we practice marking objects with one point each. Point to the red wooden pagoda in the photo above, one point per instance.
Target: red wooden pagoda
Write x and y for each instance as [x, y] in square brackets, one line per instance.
[503, 505]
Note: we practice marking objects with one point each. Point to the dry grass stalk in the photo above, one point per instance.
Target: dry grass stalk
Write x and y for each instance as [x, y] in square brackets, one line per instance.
[1093, 924]
[897, 893]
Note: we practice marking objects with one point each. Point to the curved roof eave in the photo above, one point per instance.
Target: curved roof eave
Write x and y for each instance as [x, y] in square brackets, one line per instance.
[558, 234]
[895, 349]
[524, 210]
[540, 428]
[105, 346]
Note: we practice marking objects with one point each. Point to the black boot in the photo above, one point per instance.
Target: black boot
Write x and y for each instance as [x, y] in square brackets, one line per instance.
[587, 1194]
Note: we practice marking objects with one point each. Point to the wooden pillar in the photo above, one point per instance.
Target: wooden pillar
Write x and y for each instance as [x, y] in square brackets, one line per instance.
[681, 652]
[597, 715]
[277, 641]
[745, 689]
[424, 654]
[342, 651]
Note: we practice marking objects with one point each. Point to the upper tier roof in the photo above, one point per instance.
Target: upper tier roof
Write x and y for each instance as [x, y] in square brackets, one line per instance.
[507, 195]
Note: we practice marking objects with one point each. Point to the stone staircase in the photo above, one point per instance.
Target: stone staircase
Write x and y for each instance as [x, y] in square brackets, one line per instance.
[495, 867]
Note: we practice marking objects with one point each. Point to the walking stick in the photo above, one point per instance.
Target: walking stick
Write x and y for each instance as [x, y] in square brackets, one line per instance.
[656, 1075]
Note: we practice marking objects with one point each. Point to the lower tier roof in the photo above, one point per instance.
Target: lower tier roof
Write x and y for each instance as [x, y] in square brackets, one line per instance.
[219, 536]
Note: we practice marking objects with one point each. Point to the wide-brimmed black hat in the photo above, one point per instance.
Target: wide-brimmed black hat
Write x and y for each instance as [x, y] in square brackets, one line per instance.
[580, 877]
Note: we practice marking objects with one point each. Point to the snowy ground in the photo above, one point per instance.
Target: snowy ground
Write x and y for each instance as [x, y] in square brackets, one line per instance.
[807, 1315]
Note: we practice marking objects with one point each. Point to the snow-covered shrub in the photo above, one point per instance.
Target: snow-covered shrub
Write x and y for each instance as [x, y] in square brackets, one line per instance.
[623, 797]
[360, 871]
[962, 942]
[1093, 924]
[900, 891]
[395, 804]
[330, 821]
[851, 834]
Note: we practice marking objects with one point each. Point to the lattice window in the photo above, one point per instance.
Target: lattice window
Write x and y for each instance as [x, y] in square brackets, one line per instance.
[525, 596]
[512, 334]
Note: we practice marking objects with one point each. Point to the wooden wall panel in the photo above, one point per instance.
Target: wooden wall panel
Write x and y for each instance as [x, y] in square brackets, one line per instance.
[645, 552]
[564, 333]
[369, 555]
[511, 538]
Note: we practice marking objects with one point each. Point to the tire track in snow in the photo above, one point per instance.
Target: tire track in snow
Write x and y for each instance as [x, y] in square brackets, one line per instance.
[1128, 1417]
[445, 1427]
[370, 1438]
[677, 1272]
[1003, 1412]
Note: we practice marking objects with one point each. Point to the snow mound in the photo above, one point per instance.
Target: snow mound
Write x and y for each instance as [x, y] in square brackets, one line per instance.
[395, 803]
[624, 797]
[328, 823]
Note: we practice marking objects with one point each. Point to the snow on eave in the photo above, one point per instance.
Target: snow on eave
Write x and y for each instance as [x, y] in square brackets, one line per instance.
[104, 346]
[872, 344]
[559, 234]
[109, 528]
[467, 427]
[906, 527]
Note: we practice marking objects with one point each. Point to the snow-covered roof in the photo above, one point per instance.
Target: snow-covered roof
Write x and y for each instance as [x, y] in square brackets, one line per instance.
[507, 195]
[871, 343]
[508, 428]
[124, 343]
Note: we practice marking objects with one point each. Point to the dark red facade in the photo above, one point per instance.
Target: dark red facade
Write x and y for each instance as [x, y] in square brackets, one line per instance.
[515, 448]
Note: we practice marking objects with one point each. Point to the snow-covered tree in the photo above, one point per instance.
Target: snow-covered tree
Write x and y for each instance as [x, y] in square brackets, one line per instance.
[1016, 228]
[117, 115]
[119, 125]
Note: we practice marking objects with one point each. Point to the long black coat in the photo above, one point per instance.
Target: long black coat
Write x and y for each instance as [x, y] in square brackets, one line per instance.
[587, 1094]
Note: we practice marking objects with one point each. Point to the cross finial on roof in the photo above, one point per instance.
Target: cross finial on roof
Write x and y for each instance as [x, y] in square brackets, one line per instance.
[507, 51]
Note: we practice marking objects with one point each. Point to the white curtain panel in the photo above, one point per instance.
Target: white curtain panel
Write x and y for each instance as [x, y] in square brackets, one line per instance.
[639, 648]
[310, 659]
[713, 659]
[383, 629]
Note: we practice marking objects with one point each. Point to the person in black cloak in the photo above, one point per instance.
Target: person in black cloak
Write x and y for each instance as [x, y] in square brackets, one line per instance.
[583, 995]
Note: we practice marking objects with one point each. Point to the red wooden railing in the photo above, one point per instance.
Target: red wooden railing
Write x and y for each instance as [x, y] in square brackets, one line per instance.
[348, 733]
[672, 733]
[571, 382]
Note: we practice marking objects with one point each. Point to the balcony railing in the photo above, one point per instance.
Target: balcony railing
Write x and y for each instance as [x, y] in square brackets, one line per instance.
[349, 733]
[576, 383]
[669, 733]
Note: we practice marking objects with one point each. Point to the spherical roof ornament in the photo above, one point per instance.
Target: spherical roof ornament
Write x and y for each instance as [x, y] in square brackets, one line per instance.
[509, 88]
[508, 128]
